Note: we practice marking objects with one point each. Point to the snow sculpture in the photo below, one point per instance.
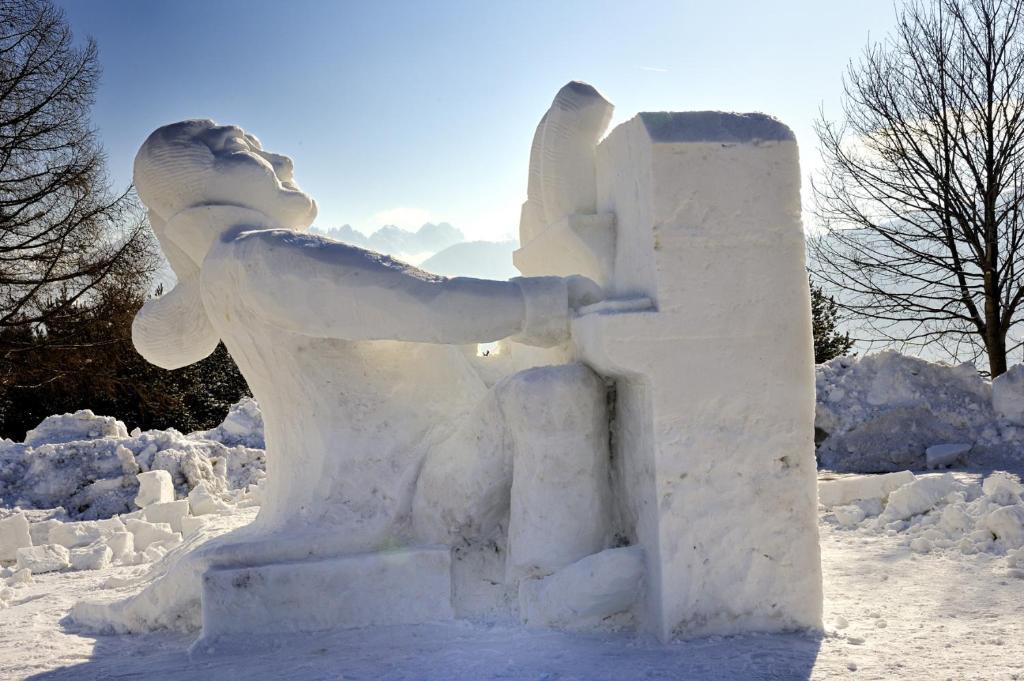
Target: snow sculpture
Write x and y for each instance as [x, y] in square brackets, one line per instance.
[560, 229]
[355, 361]
[651, 465]
[696, 218]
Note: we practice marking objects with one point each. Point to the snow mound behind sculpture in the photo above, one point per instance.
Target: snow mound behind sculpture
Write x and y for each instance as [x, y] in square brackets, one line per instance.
[87, 465]
[887, 412]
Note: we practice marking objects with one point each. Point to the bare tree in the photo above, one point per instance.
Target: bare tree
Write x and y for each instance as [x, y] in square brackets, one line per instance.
[62, 232]
[922, 191]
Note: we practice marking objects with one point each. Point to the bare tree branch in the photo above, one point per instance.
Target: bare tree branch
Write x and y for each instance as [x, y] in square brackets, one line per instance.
[922, 193]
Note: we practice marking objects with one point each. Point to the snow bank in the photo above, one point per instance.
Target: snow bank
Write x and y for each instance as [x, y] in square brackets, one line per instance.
[76, 483]
[937, 512]
[886, 412]
[82, 425]
[91, 466]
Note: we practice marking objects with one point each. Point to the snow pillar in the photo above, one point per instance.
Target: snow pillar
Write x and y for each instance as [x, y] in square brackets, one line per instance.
[713, 429]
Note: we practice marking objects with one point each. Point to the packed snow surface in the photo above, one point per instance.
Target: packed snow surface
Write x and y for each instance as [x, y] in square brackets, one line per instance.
[890, 612]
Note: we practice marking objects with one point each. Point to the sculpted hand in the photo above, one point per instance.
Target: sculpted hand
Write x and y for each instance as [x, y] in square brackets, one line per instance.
[582, 292]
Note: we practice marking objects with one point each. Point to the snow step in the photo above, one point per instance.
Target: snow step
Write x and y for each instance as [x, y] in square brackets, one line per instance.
[405, 586]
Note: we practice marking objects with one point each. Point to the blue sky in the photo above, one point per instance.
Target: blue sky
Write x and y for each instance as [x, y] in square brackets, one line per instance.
[403, 112]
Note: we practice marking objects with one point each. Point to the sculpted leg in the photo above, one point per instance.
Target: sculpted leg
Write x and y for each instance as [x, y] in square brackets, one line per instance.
[463, 488]
[560, 503]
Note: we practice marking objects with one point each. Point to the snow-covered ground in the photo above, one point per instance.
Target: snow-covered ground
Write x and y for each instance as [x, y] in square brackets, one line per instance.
[889, 612]
[923, 571]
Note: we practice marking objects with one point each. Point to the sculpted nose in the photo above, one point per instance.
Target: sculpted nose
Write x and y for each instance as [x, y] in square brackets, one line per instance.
[283, 166]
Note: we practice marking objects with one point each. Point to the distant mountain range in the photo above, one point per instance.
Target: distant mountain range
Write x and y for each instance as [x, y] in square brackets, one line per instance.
[480, 259]
[438, 248]
[401, 243]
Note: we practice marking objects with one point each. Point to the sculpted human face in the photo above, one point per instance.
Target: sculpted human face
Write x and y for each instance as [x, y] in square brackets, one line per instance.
[199, 163]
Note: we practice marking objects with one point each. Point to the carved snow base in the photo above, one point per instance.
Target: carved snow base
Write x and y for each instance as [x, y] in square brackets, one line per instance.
[407, 586]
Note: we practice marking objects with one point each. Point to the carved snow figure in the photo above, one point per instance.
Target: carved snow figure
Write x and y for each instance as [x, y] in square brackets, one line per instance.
[355, 361]
[643, 461]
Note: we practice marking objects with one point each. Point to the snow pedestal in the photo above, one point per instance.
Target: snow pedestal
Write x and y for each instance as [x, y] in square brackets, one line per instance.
[715, 386]
[407, 586]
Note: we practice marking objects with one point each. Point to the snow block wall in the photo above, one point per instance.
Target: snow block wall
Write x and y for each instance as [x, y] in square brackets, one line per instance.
[713, 431]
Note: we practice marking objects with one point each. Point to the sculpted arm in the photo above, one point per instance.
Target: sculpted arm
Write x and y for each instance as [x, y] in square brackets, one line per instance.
[318, 287]
[173, 331]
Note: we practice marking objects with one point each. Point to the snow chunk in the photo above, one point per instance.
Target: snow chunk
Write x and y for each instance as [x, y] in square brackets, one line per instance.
[122, 546]
[848, 516]
[943, 456]
[14, 534]
[242, 426]
[845, 490]
[586, 592]
[78, 534]
[1002, 488]
[170, 512]
[45, 558]
[202, 500]
[94, 557]
[191, 524]
[1007, 524]
[1008, 395]
[40, 531]
[82, 425]
[129, 465]
[147, 533]
[955, 521]
[919, 496]
[155, 487]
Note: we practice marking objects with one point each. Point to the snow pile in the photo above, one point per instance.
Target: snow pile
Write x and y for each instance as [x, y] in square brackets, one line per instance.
[887, 412]
[90, 466]
[81, 493]
[167, 595]
[242, 426]
[29, 545]
[934, 512]
[82, 425]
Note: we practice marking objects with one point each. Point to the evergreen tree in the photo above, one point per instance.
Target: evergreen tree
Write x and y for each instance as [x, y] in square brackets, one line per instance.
[828, 342]
[86, 360]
